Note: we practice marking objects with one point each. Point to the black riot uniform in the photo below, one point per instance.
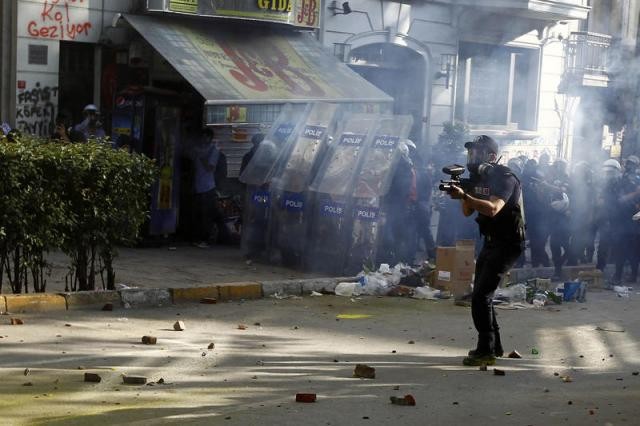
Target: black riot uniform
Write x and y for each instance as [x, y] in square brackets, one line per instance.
[504, 236]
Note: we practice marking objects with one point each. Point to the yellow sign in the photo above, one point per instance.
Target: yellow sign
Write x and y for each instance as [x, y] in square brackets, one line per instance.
[279, 5]
[184, 6]
[301, 13]
[236, 114]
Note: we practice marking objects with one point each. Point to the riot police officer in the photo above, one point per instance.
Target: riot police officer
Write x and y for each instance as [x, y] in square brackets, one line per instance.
[494, 192]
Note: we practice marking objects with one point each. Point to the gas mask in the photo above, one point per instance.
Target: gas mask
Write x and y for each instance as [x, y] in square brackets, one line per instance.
[611, 175]
[478, 161]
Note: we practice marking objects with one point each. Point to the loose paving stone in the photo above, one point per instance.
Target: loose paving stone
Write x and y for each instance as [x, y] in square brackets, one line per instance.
[92, 378]
[306, 397]
[149, 340]
[134, 380]
[364, 372]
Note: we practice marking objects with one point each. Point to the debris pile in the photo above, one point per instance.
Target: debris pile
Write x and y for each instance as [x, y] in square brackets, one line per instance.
[401, 280]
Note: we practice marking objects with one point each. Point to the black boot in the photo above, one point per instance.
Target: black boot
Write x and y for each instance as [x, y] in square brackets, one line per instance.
[484, 353]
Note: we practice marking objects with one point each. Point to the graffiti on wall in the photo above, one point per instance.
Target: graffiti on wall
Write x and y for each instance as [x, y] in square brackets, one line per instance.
[36, 110]
[57, 21]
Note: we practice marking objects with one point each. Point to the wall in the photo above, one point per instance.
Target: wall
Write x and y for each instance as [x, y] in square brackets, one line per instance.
[426, 27]
[7, 61]
[438, 28]
[44, 23]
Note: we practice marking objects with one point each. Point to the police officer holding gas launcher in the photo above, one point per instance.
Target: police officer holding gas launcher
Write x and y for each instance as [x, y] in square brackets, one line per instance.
[493, 191]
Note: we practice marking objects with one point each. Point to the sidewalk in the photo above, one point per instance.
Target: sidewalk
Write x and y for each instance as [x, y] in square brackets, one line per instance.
[186, 266]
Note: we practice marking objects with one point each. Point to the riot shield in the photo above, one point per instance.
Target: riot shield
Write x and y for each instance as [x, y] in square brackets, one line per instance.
[333, 185]
[371, 185]
[260, 167]
[290, 179]
[257, 201]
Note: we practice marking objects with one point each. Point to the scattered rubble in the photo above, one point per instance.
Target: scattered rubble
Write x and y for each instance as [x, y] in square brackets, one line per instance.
[149, 340]
[92, 378]
[610, 330]
[364, 372]
[306, 397]
[134, 380]
[407, 400]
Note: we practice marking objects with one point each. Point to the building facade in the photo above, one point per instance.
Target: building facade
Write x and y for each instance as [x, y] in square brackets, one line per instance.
[494, 64]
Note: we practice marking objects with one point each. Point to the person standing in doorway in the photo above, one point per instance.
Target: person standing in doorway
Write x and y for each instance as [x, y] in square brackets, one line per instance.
[205, 158]
[91, 126]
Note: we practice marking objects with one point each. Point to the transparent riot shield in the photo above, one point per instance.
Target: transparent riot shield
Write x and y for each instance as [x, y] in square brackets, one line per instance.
[260, 167]
[368, 214]
[332, 186]
[257, 200]
[290, 178]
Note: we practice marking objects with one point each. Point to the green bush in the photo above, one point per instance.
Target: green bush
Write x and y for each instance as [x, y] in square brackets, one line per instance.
[84, 199]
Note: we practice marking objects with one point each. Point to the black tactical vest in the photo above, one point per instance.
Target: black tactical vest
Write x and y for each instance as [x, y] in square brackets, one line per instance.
[508, 226]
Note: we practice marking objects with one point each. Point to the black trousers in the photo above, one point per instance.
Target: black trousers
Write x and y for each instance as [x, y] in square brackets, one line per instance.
[209, 214]
[494, 260]
[626, 249]
[559, 244]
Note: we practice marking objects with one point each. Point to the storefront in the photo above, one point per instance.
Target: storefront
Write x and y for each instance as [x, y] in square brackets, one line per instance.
[159, 70]
[232, 70]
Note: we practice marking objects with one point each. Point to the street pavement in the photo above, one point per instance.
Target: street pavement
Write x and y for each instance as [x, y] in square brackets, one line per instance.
[583, 372]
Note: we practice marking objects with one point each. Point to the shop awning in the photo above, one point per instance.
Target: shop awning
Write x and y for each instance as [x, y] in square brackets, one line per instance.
[241, 64]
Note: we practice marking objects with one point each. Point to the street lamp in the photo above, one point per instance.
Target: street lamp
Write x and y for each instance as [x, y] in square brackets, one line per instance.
[447, 67]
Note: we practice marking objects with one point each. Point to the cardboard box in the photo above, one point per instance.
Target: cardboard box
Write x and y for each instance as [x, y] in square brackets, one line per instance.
[593, 279]
[455, 267]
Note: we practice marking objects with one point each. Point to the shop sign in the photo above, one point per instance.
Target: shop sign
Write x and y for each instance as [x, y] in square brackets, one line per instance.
[268, 68]
[299, 13]
[183, 6]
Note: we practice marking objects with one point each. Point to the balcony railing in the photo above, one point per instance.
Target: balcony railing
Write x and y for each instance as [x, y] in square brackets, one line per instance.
[587, 54]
